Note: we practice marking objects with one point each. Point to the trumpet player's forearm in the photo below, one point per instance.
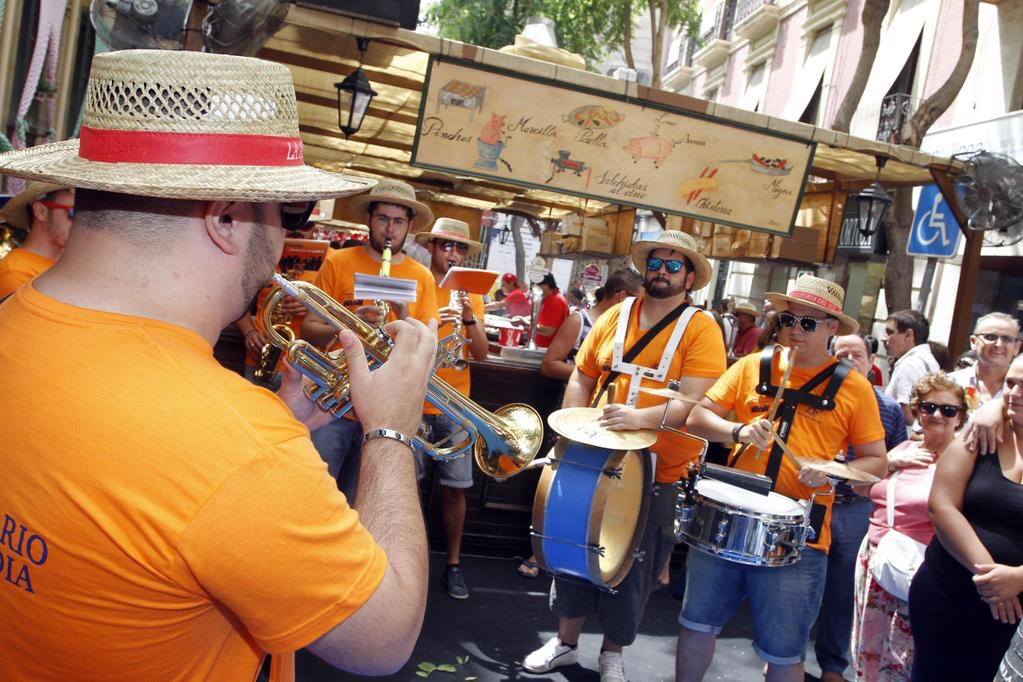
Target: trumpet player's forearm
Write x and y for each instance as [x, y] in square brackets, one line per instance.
[317, 332]
[478, 336]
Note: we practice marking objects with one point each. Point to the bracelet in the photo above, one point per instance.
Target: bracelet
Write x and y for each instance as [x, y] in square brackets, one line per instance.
[735, 432]
[388, 433]
[469, 323]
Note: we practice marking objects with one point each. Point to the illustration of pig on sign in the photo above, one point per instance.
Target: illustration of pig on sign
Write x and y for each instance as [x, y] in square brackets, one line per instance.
[653, 148]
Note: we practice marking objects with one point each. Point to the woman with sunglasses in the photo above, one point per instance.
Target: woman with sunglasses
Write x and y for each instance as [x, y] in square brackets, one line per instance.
[882, 645]
[965, 599]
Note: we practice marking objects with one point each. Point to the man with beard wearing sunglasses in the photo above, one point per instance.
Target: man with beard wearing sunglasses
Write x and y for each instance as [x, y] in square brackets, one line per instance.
[650, 341]
[824, 411]
[449, 246]
[392, 213]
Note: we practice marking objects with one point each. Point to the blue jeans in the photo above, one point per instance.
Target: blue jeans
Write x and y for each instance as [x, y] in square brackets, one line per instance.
[340, 446]
[849, 521]
[455, 472]
[784, 600]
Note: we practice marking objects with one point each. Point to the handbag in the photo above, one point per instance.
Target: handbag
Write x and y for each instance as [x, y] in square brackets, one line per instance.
[897, 556]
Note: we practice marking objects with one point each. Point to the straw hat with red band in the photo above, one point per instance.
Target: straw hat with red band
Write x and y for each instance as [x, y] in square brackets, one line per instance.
[186, 125]
[16, 211]
[449, 229]
[819, 294]
[395, 192]
[747, 309]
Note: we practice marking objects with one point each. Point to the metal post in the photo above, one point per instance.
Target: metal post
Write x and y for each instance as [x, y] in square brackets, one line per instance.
[925, 285]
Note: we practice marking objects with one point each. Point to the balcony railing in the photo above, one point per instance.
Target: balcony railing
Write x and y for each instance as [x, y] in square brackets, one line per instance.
[683, 56]
[724, 19]
[895, 112]
[745, 8]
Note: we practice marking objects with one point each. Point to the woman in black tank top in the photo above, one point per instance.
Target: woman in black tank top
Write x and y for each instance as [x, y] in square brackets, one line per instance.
[965, 600]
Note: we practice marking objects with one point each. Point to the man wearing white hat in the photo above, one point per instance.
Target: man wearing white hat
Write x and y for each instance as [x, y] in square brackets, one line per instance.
[392, 212]
[45, 210]
[821, 414]
[449, 246]
[650, 342]
[163, 518]
[748, 332]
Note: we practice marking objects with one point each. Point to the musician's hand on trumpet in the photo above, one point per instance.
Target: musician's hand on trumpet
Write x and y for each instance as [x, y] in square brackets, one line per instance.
[254, 341]
[293, 394]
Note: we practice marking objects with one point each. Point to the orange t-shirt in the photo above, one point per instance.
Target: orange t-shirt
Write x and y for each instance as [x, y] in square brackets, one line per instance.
[700, 354]
[18, 267]
[337, 278]
[457, 378]
[162, 517]
[820, 434]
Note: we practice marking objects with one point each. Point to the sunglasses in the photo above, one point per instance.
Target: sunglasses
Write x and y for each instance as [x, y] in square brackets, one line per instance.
[55, 205]
[928, 407]
[448, 245]
[655, 264]
[295, 215]
[807, 322]
[995, 338]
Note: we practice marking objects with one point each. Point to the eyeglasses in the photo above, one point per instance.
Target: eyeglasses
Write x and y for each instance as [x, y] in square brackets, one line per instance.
[448, 245]
[807, 322]
[385, 220]
[295, 214]
[655, 264]
[948, 411]
[55, 205]
[995, 338]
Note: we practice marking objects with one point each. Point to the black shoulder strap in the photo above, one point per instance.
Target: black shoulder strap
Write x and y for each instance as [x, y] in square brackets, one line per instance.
[640, 344]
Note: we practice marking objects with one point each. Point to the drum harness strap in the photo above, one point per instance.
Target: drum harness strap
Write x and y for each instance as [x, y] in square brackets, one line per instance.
[792, 398]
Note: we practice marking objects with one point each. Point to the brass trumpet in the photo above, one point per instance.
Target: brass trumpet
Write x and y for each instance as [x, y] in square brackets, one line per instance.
[505, 441]
[449, 349]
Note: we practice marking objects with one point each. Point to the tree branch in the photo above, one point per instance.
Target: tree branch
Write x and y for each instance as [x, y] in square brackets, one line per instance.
[874, 12]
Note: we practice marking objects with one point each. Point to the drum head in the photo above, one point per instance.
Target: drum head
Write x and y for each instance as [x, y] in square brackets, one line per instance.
[734, 496]
[624, 504]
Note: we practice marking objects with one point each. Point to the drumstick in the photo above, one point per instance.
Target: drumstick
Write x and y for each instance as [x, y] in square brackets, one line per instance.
[785, 448]
[776, 403]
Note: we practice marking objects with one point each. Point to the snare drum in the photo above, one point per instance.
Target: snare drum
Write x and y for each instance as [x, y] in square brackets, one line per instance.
[740, 525]
[590, 512]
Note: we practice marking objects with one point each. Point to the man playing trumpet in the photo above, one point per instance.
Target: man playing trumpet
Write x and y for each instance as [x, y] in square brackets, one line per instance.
[449, 246]
[391, 213]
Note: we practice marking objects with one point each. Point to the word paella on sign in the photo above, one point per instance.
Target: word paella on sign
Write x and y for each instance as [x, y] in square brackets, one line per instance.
[493, 124]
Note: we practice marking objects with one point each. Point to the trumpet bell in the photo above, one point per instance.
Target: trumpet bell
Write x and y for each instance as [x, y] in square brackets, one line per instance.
[521, 438]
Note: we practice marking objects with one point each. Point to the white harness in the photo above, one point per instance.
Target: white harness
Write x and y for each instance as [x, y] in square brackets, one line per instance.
[637, 373]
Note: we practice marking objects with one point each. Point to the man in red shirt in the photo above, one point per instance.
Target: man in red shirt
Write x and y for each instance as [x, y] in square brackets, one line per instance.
[553, 311]
[749, 333]
[515, 302]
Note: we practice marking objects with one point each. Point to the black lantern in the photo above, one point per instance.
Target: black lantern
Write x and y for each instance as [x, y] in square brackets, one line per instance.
[354, 95]
[871, 203]
[503, 233]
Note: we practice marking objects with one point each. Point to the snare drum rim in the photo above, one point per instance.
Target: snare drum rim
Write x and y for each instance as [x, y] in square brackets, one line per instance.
[760, 516]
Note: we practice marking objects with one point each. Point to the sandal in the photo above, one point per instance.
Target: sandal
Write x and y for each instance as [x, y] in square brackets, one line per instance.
[528, 569]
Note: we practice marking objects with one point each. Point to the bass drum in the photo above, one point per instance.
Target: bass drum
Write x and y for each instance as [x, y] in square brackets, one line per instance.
[590, 511]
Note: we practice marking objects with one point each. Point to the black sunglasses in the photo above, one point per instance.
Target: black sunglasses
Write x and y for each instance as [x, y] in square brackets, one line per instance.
[928, 407]
[448, 245]
[295, 215]
[807, 322]
[655, 264]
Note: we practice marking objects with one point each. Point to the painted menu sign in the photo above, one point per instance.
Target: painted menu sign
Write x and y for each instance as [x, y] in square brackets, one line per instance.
[484, 123]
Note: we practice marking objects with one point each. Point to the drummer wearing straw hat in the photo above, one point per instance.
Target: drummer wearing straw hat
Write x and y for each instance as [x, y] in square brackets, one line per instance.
[826, 408]
[143, 482]
[450, 246]
[45, 211]
[392, 213]
[642, 342]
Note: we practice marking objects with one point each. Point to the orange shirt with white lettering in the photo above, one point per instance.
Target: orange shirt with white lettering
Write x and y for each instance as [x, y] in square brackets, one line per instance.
[818, 434]
[18, 267]
[337, 277]
[700, 354]
[162, 518]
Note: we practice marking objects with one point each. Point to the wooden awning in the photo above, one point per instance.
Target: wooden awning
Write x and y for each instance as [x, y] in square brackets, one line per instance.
[320, 49]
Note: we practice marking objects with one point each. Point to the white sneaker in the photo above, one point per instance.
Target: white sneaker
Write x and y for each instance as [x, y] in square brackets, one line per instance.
[612, 667]
[551, 655]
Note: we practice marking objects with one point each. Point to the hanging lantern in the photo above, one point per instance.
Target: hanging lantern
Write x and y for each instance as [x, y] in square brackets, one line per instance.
[354, 95]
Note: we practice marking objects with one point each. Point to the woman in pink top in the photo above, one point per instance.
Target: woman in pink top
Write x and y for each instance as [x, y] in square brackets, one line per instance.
[882, 644]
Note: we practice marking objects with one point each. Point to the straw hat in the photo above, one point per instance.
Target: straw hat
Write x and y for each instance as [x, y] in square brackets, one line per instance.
[15, 211]
[452, 230]
[395, 192]
[186, 125]
[676, 241]
[819, 294]
[748, 309]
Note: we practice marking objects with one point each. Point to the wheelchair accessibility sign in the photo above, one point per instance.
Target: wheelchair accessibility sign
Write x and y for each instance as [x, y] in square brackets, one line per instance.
[935, 232]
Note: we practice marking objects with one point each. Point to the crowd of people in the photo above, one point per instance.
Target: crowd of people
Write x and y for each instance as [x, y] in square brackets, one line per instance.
[205, 522]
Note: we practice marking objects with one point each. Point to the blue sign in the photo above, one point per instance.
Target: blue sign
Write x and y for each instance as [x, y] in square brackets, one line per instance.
[935, 232]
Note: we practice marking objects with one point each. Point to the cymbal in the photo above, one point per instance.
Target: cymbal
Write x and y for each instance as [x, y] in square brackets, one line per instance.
[581, 424]
[838, 470]
[667, 393]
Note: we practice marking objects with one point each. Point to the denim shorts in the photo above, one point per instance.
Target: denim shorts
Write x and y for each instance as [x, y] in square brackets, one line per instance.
[454, 473]
[784, 600]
